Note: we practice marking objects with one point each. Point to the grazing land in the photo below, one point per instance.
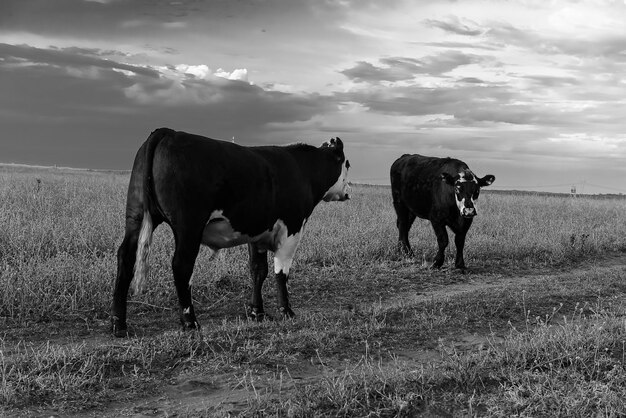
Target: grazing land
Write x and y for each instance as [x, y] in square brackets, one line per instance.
[535, 328]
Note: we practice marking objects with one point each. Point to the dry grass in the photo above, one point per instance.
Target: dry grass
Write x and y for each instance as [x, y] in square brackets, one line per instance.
[357, 302]
[58, 243]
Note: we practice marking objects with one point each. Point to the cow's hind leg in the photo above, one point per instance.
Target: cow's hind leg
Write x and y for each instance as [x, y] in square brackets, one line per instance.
[283, 257]
[126, 257]
[404, 222]
[187, 247]
[442, 242]
[258, 273]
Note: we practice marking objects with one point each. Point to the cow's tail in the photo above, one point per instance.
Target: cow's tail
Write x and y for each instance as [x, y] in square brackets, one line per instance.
[150, 208]
[143, 252]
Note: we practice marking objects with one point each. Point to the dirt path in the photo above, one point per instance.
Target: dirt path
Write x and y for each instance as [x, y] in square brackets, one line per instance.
[188, 394]
[485, 279]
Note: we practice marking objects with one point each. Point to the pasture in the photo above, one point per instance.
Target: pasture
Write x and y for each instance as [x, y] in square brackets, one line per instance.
[536, 326]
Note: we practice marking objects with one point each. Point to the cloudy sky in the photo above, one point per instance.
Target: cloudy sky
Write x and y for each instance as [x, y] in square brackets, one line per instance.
[532, 91]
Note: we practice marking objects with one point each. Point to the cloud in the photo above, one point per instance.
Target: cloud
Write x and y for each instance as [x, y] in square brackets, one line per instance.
[471, 80]
[405, 68]
[543, 81]
[456, 25]
[201, 71]
[420, 100]
[594, 46]
[86, 103]
[77, 58]
[117, 19]
[367, 72]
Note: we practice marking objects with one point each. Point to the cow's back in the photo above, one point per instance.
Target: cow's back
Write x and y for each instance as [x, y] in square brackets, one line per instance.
[252, 186]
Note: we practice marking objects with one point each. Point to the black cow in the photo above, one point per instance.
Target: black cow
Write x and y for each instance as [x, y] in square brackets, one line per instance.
[441, 190]
[222, 194]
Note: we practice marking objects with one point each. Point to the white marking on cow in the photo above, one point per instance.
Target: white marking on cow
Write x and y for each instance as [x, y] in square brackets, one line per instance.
[463, 210]
[219, 233]
[216, 214]
[187, 310]
[339, 190]
[143, 252]
[461, 205]
[463, 179]
[286, 246]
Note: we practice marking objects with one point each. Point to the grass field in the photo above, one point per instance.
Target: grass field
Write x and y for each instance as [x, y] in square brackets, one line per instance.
[536, 327]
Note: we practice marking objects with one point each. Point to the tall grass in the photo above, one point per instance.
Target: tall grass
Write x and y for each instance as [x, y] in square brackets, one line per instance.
[59, 232]
[575, 369]
[358, 302]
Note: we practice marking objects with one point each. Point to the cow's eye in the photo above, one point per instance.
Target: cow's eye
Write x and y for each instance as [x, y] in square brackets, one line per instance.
[347, 164]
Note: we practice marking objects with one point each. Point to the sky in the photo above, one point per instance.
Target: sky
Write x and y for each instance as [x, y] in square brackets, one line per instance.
[531, 91]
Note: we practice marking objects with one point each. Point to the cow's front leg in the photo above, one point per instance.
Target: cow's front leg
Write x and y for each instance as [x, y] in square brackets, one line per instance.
[283, 295]
[283, 258]
[182, 265]
[442, 242]
[459, 242]
[258, 273]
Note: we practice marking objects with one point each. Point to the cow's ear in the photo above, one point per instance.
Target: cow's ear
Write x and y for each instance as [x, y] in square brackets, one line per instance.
[338, 143]
[487, 180]
[449, 179]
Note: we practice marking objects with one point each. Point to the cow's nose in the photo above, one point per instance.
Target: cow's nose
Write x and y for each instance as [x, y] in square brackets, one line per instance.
[346, 197]
[469, 212]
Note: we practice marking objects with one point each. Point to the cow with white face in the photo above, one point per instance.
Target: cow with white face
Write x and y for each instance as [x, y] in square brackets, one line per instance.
[466, 189]
[221, 195]
[442, 190]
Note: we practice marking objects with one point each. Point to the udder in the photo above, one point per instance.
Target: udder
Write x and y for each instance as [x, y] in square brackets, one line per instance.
[218, 233]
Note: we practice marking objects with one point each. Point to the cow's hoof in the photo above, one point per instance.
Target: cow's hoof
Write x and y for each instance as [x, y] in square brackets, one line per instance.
[286, 312]
[118, 328]
[255, 314]
[120, 332]
[436, 265]
[462, 269]
[190, 325]
[405, 251]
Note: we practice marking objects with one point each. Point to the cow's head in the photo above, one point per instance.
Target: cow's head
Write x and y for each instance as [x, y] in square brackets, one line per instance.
[466, 190]
[339, 191]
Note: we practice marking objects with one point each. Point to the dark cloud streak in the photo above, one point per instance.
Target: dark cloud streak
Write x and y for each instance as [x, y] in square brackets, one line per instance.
[82, 104]
[454, 25]
[72, 57]
[406, 68]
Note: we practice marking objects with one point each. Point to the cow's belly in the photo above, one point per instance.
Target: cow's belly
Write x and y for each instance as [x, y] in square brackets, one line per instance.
[420, 211]
[218, 233]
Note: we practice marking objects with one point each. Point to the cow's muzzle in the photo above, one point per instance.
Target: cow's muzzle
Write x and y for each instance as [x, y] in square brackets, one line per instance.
[468, 212]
